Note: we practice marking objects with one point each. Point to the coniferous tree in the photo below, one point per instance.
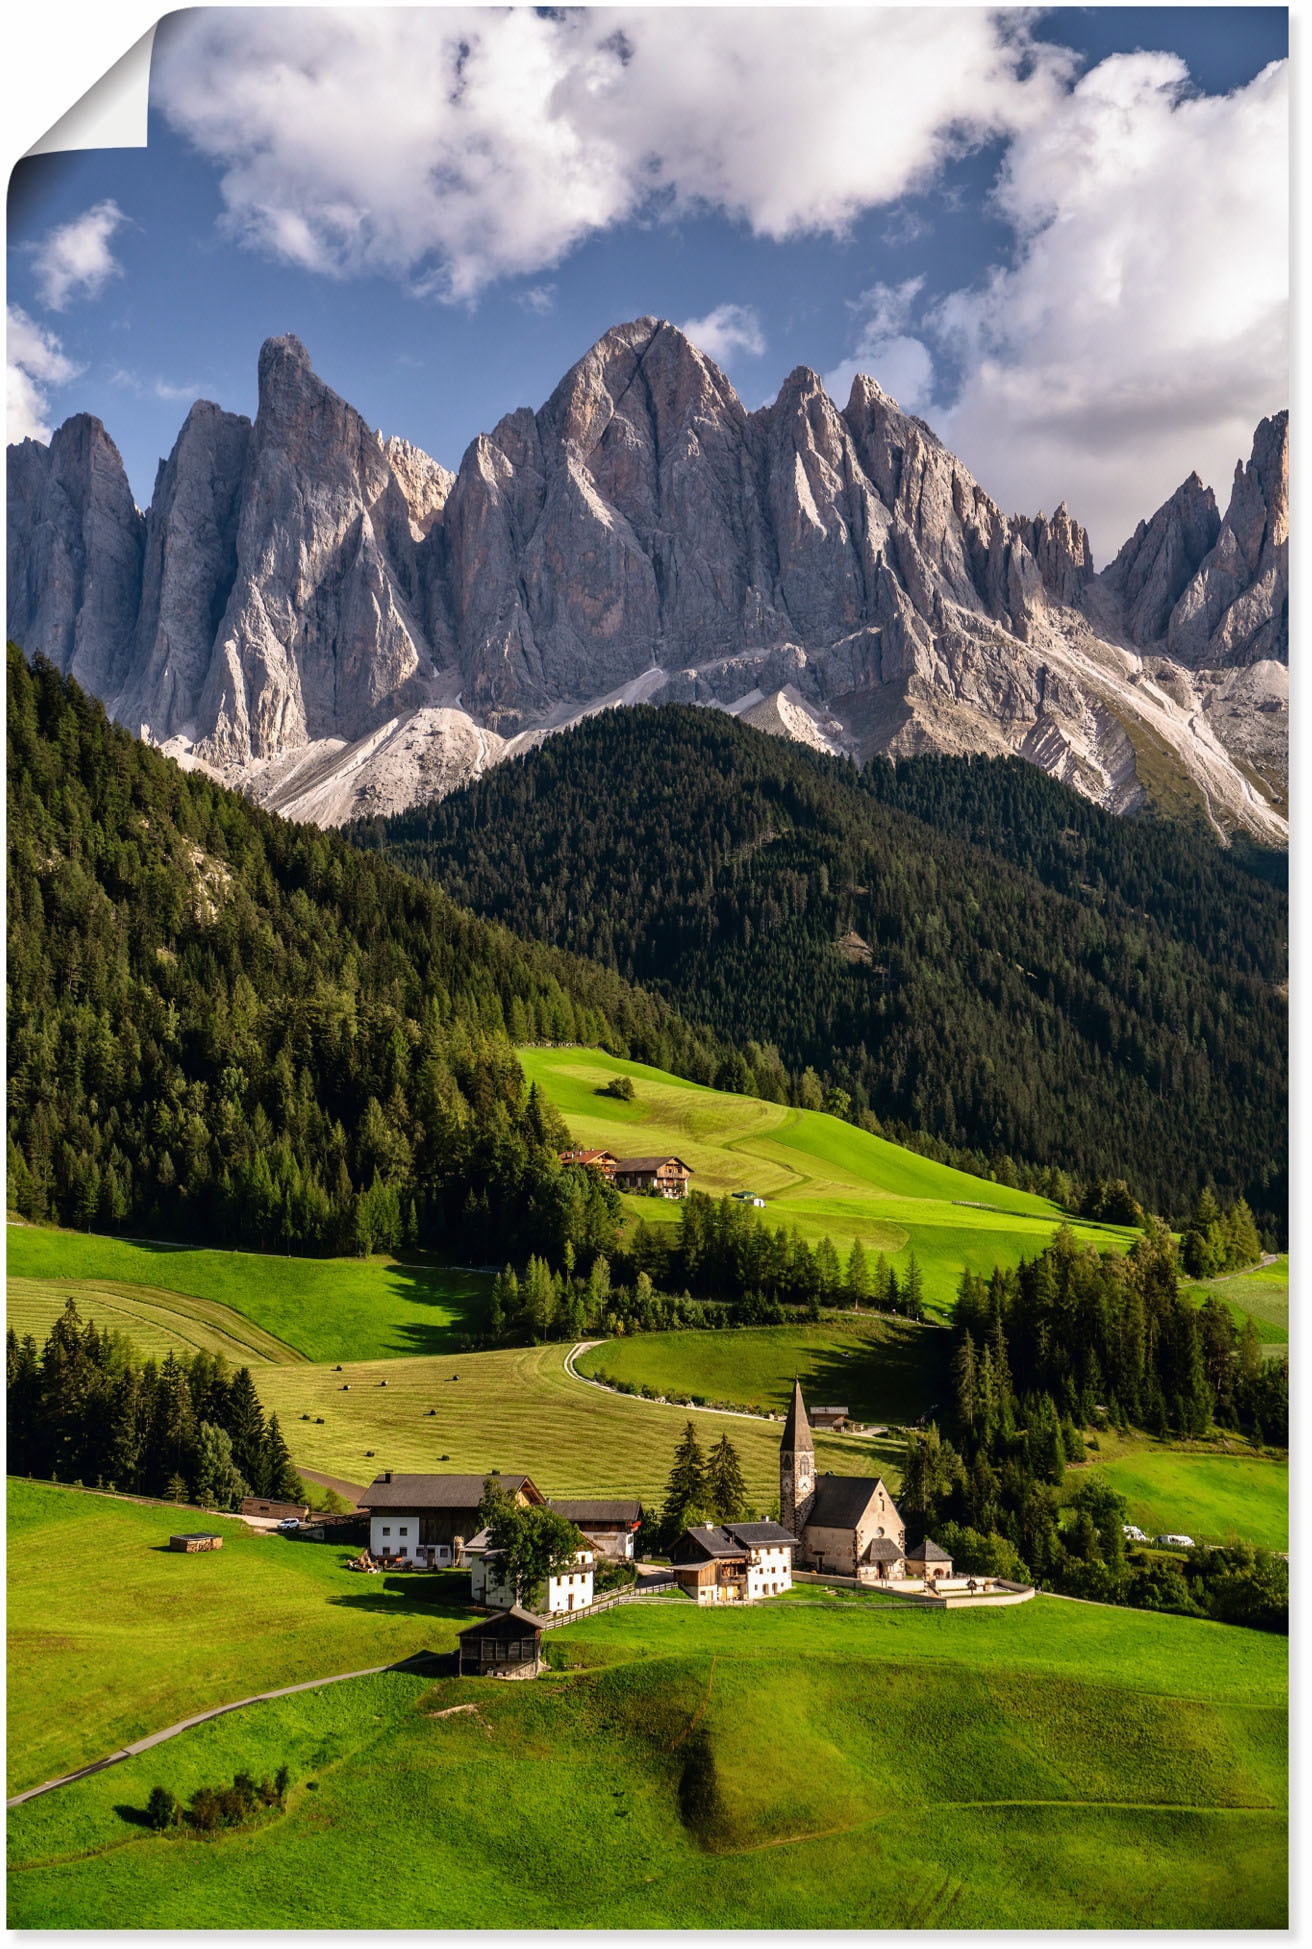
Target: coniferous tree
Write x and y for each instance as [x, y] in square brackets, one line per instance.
[245, 1426]
[282, 1483]
[724, 1490]
[685, 1492]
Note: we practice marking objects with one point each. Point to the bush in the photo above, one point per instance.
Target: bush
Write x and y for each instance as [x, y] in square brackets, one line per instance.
[161, 1808]
[620, 1087]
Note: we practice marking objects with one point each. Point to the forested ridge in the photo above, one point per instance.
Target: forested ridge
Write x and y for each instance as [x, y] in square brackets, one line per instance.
[227, 1028]
[963, 948]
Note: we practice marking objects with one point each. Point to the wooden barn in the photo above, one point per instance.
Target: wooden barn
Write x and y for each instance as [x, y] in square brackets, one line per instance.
[508, 1645]
[667, 1177]
[595, 1160]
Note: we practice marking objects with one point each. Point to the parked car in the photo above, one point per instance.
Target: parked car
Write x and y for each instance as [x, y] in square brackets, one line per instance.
[1175, 1542]
[290, 1522]
[1132, 1533]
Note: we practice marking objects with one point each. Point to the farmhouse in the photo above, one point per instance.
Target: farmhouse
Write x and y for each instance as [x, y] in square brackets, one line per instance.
[597, 1160]
[567, 1590]
[610, 1527]
[427, 1519]
[667, 1177]
[828, 1419]
[734, 1563]
[845, 1524]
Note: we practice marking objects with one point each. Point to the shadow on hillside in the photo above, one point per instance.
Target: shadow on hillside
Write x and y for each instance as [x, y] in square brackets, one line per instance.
[452, 1297]
[897, 1378]
[445, 1594]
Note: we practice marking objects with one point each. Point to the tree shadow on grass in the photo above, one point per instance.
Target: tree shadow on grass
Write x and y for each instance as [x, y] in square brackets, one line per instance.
[134, 1816]
[413, 1593]
[453, 1298]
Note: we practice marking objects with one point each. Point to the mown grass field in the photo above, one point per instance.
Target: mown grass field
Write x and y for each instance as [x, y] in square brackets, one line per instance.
[792, 1766]
[882, 1370]
[814, 1171]
[320, 1309]
[1263, 1293]
[518, 1409]
[1197, 1490]
[112, 1635]
[153, 1318]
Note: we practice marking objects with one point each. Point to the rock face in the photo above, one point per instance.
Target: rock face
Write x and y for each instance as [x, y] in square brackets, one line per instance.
[335, 621]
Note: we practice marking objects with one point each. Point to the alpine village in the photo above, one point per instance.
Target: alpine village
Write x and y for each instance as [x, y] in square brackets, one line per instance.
[647, 1184]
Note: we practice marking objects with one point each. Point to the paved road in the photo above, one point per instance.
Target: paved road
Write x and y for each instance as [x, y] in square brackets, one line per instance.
[581, 1346]
[199, 1719]
[351, 1490]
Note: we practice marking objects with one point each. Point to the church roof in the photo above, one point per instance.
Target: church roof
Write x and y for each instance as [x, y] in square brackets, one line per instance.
[928, 1552]
[841, 1500]
[797, 1429]
[883, 1550]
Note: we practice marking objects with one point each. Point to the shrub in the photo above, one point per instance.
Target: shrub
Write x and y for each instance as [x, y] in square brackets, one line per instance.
[620, 1087]
[161, 1808]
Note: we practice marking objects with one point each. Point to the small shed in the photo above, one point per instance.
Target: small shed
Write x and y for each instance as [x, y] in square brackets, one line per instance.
[927, 1560]
[828, 1418]
[508, 1645]
[279, 1511]
[190, 1541]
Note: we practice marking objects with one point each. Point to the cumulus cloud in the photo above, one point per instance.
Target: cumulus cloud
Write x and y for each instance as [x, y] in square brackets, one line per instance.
[451, 146]
[36, 362]
[887, 350]
[726, 330]
[75, 261]
[1142, 330]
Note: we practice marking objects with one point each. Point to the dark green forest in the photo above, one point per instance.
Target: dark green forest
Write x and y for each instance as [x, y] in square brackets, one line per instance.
[963, 948]
[234, 1030]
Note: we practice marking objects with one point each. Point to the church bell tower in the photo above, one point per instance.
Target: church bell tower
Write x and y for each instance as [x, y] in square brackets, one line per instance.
[796, 1467]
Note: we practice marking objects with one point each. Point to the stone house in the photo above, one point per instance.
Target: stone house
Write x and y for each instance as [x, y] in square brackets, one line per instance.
[847, 1525]
[734, 1563]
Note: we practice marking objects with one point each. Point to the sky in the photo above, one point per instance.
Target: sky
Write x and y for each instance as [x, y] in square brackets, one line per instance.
[1059, 236]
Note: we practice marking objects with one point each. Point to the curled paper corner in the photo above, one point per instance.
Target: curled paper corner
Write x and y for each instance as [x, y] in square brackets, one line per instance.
[113, 112]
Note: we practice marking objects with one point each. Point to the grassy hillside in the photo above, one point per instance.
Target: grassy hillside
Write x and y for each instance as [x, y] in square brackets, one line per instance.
[318, 1309]
[815, 1171]
[518, 1409]
[112, 1635]
[1263, 1294]
[1199, 1491]
[883, 1370]
[1071, 1767]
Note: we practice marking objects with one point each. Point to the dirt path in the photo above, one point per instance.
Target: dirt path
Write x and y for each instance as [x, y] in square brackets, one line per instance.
[582, 1346]
[351, 1490]
[199, 1719]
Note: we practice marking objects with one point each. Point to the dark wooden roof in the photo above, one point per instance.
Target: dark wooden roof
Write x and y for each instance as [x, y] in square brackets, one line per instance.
[842, 1500]
[650, 1163]
[758, 1534]
[728, 1540]
[438, 1491]
[797, 1429]
[928, 1552]
[599, 1514]
[504, 1624]
[883, 1550]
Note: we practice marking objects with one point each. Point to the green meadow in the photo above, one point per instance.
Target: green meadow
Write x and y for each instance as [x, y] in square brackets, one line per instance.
[793, 1766]
[1262, 1293]
[1201, 1490]
[881, 1369]
[814, 1171]
[319, 1309]
[112, 1635]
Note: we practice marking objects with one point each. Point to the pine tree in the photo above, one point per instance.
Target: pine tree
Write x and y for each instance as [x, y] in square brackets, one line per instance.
[685, 1492]
[964, 1381]
[219, 1484]
[282, 1483]
[245, 1424]
[725, 1490]
[858, 1274]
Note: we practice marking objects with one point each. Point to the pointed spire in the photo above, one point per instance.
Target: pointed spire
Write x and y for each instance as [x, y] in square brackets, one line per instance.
[797, 1429]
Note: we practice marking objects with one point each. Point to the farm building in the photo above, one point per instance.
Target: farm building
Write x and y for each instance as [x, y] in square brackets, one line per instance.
[847, 1525]
[427, 1519]
[596, 1160]
[507, 1645]
[189, 1542]
[927, 1560]
[750, 1198]
[667, 1177]
[610, 1527]
[828, 1419]
[734, 1563]
[277, 1511]
[568, 1590]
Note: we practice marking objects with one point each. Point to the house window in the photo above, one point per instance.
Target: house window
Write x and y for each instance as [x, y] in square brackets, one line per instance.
[386, 1530]
[404, 1530]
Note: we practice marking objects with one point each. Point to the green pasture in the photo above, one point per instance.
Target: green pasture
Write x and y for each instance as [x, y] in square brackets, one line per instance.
[792, 1766]
[1263, 1293]
[112, 1635]
[1200, 1490]
[517, 1409]
[882, 1370]
[154, 1319]
[318, 1309]
[814, 1171]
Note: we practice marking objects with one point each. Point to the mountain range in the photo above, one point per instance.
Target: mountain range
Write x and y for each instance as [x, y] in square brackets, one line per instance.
[337, 624]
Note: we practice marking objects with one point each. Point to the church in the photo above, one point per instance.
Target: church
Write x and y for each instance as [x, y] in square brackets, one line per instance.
[845, 1525]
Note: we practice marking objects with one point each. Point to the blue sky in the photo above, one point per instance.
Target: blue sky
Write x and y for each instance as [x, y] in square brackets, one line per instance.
[1058, 236]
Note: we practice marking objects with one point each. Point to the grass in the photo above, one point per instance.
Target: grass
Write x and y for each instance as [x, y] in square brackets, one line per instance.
[883, 1370]
[154, 1319]
[1197, 1490]
[823, 1175]
[1263, 1293]
[792, 1766]
[319, 1309]
[112, 1635]
[519, 1409]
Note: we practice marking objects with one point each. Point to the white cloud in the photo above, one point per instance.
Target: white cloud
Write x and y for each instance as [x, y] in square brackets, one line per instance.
[892, 355]
[540, 299]
[451, 146]
[36, 362]
[726, 330]
[75, 261]
[1142, 331]
[153, 388]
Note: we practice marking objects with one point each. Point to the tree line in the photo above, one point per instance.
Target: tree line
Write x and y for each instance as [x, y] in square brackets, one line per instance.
[1069, 1342]
[960, 953]
[84, 1408]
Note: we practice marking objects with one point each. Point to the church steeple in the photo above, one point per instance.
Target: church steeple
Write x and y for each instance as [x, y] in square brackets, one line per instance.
[796, 1466]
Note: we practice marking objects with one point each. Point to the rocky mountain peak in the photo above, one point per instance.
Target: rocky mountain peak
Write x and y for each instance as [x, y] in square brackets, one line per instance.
[1154, 567]
[1234, 609]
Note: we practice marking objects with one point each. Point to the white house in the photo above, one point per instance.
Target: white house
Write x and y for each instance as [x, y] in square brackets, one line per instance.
[734, 1562]
[568, 1590]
